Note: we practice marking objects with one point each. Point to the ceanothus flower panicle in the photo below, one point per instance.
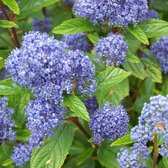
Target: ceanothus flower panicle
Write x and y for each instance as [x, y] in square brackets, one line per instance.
[114, 12]
[42, 116]
[112, 49]
[42, 25]
[160, 49]
[109, 123]
[6, 122]
[134, 158]
[153, 119]
[44, 65]
[76, 41]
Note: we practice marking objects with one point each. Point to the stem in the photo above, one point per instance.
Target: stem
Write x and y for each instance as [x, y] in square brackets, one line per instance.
[155, 155]
[14, 36]
[80, 126]
[137, 90]
[6, 42]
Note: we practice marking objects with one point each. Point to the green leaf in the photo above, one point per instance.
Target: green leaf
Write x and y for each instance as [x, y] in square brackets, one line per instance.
[7, 162]
[114, 95]
[29, 6]
[107, 157]
[110, 77]
[132, 58]
[153, 70]
[165, 161]
[93, 37]
[125, 140]
[12, 4]
[8, 24]
[76, 106]
[165, 88]
[23, 135]
[155, 28]
[54, 150]
[139, 34]
[74, 26]
[137, 69]
[84, 156]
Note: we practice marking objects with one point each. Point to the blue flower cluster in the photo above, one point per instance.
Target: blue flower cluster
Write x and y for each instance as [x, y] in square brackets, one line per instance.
[160, 49]
[42, 25]
[76, 41]
[48, 69]
[91, 105]
[116, 13]
[6, 122]
[112, 49]
[109, 123]
[153, 119]
[134, 158]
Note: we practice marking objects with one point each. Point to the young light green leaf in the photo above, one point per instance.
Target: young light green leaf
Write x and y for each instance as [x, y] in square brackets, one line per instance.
[153, 70]
[7, 162]
[165, 161]
[54, 150]
[7, 24]
[114, 95]
[74, 26]
[93, 37]
[76, 106]
[139, 34]
[132, 58]
[12, 4]
[125, 140]
[110, 77]
[137, 69]
[23, 135]
[155, 28]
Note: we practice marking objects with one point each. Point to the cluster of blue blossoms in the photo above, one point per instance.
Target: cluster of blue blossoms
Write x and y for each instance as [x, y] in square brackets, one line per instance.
[42, 25]
[115, 13]
[49, 69]
[134, 158]
[153, 120]
[76, 42]
[160, 49]
[112, 49]
[6, 122]
[109, 123]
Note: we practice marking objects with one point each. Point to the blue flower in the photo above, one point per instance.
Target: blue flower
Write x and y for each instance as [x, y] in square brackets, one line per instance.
[76, 42]
[42, 25]
[109, 123]
[112, 49]
[160, 49]
[6, 122]
[115, 13]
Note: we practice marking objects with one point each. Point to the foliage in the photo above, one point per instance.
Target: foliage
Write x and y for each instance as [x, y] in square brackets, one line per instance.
[88, 63]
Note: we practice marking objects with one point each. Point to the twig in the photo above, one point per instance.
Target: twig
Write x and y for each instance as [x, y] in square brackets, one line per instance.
[155, 155]
[137, 91]
[14, 36]
[80, 126]
[6, 42]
